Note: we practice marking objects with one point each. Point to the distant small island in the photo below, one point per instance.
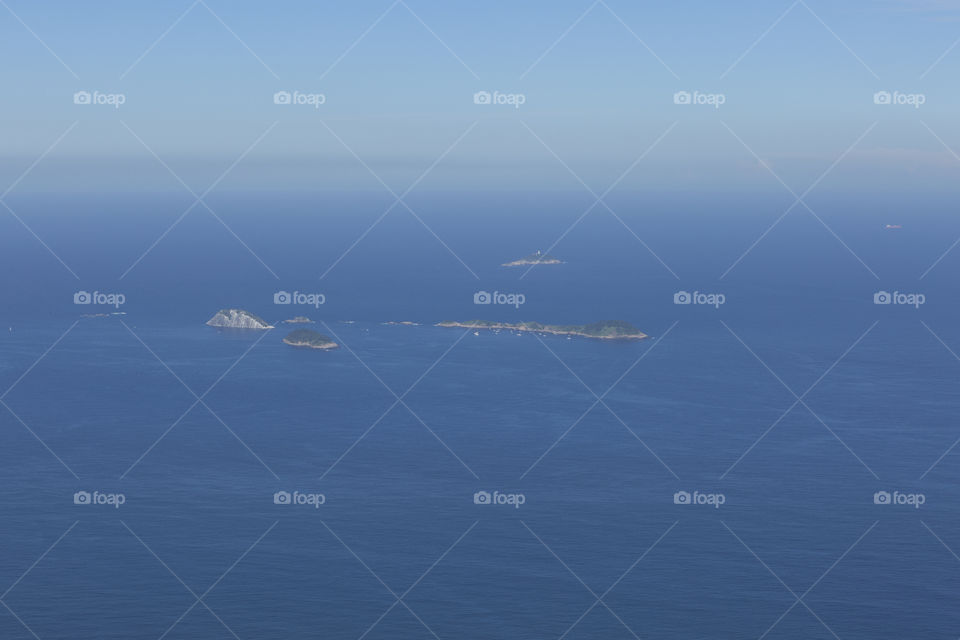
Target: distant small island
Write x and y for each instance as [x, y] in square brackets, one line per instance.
[299, 320]
[408, 323]
[237, 319]
[309, 339]
[533, 258]
[606, 330]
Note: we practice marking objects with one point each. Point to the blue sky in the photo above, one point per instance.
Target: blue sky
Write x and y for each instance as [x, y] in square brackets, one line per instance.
[597, 80]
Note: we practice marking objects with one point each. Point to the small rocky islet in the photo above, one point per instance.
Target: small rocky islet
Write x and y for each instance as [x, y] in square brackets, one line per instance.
[537, 257]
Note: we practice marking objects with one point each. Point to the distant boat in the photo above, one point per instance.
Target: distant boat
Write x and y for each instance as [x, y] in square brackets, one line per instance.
[476, 333]
[893, 226]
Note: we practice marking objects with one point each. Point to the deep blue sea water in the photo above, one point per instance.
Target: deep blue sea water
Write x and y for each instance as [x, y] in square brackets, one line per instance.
[798, 549]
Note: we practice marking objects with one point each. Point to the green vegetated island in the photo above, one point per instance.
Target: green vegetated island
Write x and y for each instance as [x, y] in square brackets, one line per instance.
[606, 330]
[533, 258]
[309, 339]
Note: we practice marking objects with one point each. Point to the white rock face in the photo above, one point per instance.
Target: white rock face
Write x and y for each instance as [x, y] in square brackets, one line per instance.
[237, 319]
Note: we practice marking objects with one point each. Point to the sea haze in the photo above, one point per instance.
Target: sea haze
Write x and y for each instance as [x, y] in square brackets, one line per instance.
[797, 400]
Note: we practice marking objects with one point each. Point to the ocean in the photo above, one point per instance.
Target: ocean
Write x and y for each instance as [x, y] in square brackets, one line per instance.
[777, 463]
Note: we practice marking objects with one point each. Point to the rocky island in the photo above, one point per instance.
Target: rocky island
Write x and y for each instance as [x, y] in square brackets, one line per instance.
[309, 339]
[606, 330]
[533, 258]
[299, 320]
[237, 319]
